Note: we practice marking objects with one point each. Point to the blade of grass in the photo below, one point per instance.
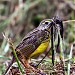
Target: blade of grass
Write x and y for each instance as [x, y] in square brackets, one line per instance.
[14, 52]
[61, 46]
[70, 57]
[61, 49]
[68, 21]
[3, 57]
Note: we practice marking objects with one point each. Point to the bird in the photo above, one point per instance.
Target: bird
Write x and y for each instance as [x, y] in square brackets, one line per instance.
[35, 42]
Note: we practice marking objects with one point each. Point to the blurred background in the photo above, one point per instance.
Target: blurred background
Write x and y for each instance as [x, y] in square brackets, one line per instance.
[18, 17]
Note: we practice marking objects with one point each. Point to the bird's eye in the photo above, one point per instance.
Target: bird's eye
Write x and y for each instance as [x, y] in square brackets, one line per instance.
[46, 22]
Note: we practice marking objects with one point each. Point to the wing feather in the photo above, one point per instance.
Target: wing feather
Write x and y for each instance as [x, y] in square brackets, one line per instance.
[31, 42]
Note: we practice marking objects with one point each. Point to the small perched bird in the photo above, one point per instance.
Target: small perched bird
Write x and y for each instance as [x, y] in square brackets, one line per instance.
[36, 41]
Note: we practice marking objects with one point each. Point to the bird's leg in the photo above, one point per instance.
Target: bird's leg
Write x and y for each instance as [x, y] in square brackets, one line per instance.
[22, 59]
[26, 64]
[36, 71]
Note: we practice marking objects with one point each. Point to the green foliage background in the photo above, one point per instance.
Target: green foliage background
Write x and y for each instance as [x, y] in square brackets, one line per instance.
[18, 17]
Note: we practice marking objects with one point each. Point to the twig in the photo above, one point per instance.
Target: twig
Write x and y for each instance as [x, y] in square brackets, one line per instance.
[68, 21]
[14, 52]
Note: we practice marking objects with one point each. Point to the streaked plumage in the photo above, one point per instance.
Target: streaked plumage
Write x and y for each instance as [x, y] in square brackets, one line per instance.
[36, 41]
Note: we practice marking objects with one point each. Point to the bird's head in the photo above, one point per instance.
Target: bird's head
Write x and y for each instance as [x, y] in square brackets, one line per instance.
[46, 24]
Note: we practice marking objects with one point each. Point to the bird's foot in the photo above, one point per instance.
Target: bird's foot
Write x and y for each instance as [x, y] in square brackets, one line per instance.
[35, 70]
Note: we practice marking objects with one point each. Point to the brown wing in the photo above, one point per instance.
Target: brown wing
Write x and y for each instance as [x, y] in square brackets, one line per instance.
[28, 39]
[31, 42]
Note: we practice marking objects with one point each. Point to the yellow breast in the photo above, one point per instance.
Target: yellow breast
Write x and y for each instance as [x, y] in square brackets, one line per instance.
[40, 49]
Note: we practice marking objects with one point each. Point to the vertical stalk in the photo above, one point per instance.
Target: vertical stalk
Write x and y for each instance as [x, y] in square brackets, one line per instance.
[52, 45]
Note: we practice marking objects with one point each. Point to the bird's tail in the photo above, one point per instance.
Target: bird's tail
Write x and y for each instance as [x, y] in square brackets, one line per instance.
[12, 61]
